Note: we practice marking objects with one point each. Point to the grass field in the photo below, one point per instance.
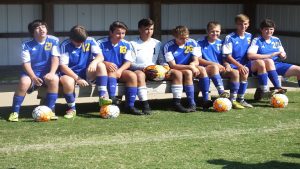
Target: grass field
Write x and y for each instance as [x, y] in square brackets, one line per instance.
[258, 138]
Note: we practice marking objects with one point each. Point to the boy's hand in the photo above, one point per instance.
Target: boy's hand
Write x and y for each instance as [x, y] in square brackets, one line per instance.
[111, 66]
[37, 81]
[92, 67]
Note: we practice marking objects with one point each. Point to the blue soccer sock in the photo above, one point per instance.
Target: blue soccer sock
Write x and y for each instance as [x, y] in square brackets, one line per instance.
[130, 96]
[101, 82]
[189, 90]
[217, 80]
[273, 76]
[17, 102]
[112, 85]
[70, 99]
[234, 87]
[263, 81]
[204, 87]
[242, 90]
[51, 100]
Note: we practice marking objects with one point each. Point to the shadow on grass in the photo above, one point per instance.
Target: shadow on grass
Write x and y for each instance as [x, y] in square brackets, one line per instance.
[294, 155]
[265, 165]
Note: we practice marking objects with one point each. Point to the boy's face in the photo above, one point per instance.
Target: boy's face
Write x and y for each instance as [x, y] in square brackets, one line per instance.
[214, 33]
[267, 32]
[117, 35]
[242, 26]
[181, 39]
[146, 32]
[40, 32]
[76, 44]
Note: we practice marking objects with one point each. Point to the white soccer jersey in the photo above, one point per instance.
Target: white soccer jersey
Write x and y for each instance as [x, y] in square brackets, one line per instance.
[145, 53]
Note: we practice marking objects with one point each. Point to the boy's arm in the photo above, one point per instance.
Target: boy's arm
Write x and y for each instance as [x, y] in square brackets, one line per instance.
[36, 80]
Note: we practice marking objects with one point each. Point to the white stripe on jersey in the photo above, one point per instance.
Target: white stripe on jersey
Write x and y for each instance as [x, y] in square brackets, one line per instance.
[64, 59]
[253, 47]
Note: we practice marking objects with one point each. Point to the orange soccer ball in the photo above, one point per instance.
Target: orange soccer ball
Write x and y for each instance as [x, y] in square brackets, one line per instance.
[155, 72]
[222, 105]
[279, 100]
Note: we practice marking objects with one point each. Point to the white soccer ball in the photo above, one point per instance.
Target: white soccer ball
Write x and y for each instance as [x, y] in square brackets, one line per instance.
[279, 100]
[109, 111]
[222, 105]
[41, 113]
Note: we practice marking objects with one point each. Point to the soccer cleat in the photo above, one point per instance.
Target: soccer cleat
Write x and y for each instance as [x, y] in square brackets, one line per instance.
[104, 101]
[245, 104]
[133, 110]
[13, 117]
[237, 105]
[179, 108]
[146, 108]
[70, 114]
[259, 94]
[224, 95]
[192, 108]
[207, 104]
[280, 91]
[53, 116]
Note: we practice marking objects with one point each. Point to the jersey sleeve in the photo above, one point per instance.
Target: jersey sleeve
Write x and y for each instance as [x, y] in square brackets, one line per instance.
[197, 51]
[128, 55]
[55, 49]
[25, 55]
[227, 46]
[156, 53]
[64, 59]
[253, 47]
[95, 49]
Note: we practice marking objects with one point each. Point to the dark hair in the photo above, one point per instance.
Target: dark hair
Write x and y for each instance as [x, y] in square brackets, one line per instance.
[34, 24]
[78, 33]
[180, 30]
[145, 22]
[267, 23]
[117, 24]
[211, 25]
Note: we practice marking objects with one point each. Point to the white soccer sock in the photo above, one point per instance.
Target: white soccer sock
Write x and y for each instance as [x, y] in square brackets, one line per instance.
[177, 91]
[142, 93]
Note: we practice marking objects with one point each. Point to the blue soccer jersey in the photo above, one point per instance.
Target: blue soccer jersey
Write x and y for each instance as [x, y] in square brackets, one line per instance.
[261, 46]
[118, 53]
[181, 54]
[78, 58]
[211, 51]
[39, 54]
[237, 46]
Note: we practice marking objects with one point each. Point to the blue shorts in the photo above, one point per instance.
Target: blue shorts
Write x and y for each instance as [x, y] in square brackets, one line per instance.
[282, 67]
[34, 87]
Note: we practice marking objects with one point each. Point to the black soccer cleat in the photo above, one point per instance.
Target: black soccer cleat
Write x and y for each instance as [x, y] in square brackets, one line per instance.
[133, 111]
[146, 108]
[179, 108]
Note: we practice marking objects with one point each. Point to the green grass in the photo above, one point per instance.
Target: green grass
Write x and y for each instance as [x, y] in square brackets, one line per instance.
[258, 138]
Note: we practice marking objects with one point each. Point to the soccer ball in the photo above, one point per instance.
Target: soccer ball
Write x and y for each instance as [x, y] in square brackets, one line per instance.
[222, 105]
[279, 100]
[155, 72]
[41, 113]
[109, 111]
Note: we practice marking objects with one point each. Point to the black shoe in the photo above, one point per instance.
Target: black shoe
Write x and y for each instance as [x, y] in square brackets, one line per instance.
[146, 108]
[178, 107]
[115, 100]
[207, 104]
[192, 108]
[133, 110]
[258, 94]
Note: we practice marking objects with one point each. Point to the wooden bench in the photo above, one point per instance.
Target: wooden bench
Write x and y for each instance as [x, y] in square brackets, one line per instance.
[154, 87]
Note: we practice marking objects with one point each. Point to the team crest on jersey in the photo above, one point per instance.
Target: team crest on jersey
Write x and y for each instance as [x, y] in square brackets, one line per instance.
[123, 49]
[188, 49]
[48, 46]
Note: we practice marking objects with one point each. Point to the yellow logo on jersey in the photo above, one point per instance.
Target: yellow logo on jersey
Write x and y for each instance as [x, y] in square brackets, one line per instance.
[188, 49]
[123, 49]
[48, 46]
[86, 47]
